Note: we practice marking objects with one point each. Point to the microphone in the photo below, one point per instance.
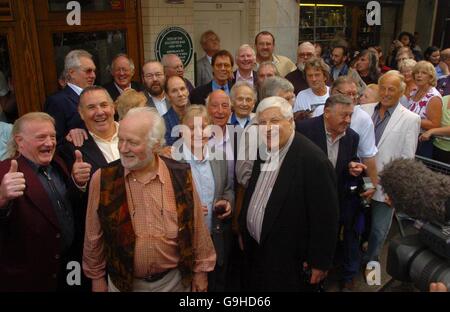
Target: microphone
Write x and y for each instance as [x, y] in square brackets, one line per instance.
[416, 190]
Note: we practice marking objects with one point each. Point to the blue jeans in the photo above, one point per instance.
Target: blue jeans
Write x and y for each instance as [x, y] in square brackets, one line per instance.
[381, 223]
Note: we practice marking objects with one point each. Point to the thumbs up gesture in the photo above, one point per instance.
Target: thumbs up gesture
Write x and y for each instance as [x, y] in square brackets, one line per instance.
[81, 171]
[13, 184]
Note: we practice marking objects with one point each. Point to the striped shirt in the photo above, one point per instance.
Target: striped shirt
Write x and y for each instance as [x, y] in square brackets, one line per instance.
[263, 190]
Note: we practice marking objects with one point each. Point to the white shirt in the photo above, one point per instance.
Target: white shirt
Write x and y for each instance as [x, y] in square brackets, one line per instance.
[203, 180]
[120, 89]
[306, 99]
[249, 80]
[75, 88]
[161, 105]
[363, 125]
[109, 149]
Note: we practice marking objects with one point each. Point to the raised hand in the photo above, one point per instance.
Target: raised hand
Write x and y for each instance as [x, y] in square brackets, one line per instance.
[13, 184]
[81, 171]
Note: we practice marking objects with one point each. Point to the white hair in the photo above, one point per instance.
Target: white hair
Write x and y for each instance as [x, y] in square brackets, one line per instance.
[275, 101]
[245, 46]
[158, 129]
[72, 59]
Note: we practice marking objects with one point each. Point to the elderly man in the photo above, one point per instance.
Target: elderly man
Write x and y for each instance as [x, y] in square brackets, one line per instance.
[265, 45]
[37, 223]
[210, 43]
[222, 67]
[178, 94]
[154, 82]
[152, 202]
[216, 194]
[96, 109]
[173, 66]
[122, 71]
[63, 105]
[332, 134]
[289, 227]
[243, 99]
[305, 51]
[245, 61]
[219, 105]
[396, 133]
[278, 86]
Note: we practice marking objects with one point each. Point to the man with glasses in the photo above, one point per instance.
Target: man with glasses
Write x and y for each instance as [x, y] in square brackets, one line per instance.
[122, 70]
[154, 82]
[63, 105]
[305, 51]
[173, 66]
[222, 68]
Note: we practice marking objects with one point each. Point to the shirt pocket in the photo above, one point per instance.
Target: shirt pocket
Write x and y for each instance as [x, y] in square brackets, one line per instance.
[170, 221]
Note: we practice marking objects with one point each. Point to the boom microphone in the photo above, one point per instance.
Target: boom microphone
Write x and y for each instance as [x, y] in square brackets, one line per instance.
[416, 190]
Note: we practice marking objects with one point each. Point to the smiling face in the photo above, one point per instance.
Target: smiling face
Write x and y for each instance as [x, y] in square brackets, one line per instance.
[97, 112]
[264, 47]
[122, 72]
[154, 78]
[219, 108]
[338, 118]
[273, 125]
[390, 90]
[83, 76]
[222, 69]
[244, 101]
[134, 149]
[37, 141]
[245, 59]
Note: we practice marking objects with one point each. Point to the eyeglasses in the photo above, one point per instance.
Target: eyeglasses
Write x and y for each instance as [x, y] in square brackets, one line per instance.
[224, 65]
[305, 55]
[156, 75]
[87, 70]
[350, 95]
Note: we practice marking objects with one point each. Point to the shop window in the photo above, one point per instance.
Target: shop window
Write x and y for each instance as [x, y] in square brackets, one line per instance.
[88, 5]
[103, 46]
[8, 105]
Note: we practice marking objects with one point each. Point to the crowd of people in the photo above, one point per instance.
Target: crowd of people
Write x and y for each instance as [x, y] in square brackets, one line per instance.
[256, 179]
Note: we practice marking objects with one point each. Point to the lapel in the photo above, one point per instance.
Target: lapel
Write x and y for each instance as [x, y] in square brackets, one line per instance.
[319, 133]
[395, 118]
[36, 193]
[72, 96]
[280, 190]
[150, 102]
[91, 150]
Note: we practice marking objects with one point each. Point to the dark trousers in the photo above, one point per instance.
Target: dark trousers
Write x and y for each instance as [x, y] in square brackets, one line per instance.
[441, 155]
[350, 217]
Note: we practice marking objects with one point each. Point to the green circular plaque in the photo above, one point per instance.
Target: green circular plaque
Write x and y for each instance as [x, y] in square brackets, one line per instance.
[174, 40]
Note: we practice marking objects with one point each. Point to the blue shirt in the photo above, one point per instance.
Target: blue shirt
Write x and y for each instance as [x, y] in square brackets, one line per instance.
[171, 120]
[5, 134]
[215, 87]
[235, 122]
[203, 180]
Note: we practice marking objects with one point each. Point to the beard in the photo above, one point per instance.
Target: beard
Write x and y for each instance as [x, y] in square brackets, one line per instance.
[155, 89]
[301, 66]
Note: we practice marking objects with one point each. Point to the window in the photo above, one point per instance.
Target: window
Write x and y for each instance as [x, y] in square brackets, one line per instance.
[8, 104]
[103, 45]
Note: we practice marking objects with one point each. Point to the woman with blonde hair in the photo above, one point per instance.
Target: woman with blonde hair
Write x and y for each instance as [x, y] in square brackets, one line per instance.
[370, 95]
[426, 101]
[405, 67]
[127, 100]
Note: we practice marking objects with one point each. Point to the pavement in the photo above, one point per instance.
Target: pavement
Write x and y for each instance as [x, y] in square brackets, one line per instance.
[387, 283]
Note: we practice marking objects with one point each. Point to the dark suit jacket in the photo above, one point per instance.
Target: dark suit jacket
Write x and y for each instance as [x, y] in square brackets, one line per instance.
[300, 220]
[63, 106]
[150, 102]
[314, 130]
[297, 78]
[30, 246]
[114, 93]
[199, 94]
